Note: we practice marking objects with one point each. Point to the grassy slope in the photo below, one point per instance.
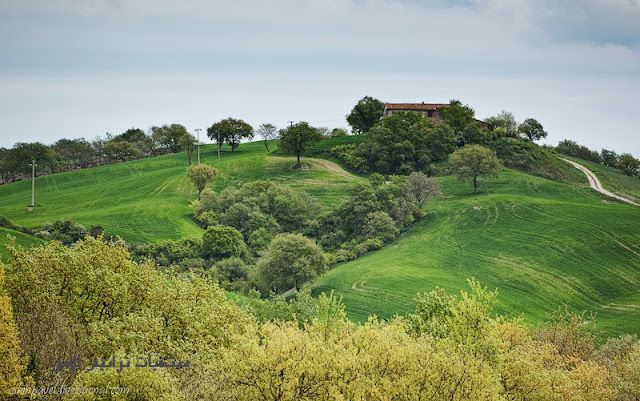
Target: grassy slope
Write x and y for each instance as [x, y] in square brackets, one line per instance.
[22, 240]
[541, 243]
[147, 200]
[614, 180]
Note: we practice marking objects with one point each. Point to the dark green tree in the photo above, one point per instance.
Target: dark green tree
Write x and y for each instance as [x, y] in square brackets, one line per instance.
[458, 116]
[532, 130]
[231, 131]
[365, 114]
[169, 136]
[609, 158]
[406, 142]
[221, 242]
[291, 260]
[296, 138]
[628, 164]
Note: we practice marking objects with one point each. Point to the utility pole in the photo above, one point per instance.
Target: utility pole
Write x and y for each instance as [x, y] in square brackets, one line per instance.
[218, 144]
[198, 131]
[33, 182]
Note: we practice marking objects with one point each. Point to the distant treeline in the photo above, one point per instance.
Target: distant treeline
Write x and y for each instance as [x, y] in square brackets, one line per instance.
[70, 154]
[624, 162]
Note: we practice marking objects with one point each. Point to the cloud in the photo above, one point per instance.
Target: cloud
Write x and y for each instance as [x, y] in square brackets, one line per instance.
[119, 63]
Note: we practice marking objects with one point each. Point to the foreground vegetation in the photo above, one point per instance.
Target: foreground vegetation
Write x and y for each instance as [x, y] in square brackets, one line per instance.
[91, 302]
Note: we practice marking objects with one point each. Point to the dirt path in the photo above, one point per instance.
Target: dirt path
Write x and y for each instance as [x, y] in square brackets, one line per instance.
[321, 163]
[594, 182]
[333, 167]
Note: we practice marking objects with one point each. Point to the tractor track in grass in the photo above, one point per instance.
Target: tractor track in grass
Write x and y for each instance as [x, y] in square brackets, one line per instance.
[594, 183]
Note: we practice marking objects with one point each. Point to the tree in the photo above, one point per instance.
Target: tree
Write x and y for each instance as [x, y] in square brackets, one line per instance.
[230, 130]
[504, 123]
[169, 136]
[458, 117]
[407, 141]
[268, 132]
[22, 153]
[201, 175]
[74, 152]
[131, 135]
[365, 114]
[474, 161]
[628, 164]
[609, 158]
[421, 187]
[188, 143]
[222, 242]
[291, 260]
[379, 225]
[532, 130]
[294, 139]
[120, 150]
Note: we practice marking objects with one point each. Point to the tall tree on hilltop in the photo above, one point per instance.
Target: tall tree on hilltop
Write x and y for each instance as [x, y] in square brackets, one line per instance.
[532, 130]
[365, 114]
[169, 136]
[294, 139]
[230, 130]
[268, 132]
[458, 116]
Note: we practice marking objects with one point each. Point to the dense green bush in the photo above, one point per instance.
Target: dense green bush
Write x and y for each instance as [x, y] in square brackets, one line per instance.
[221, 242]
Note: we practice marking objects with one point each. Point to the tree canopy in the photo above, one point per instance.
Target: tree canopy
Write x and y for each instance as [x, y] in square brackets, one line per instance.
[231, 131]
[473, 161]
[201, 175]
[532, 130]
[297, 137]
[365, 114]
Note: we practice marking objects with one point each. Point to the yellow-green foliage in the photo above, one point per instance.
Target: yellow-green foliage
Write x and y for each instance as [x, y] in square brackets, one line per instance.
[92, 300]
[12, 366]
[130, 384]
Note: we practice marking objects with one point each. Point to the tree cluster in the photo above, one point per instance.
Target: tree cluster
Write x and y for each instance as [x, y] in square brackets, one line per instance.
[265, 235]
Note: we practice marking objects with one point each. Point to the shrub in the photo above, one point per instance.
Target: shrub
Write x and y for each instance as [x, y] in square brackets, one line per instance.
[291, 261]
[222, 242]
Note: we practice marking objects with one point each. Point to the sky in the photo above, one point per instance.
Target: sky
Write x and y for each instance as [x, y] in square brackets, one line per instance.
[81, 68]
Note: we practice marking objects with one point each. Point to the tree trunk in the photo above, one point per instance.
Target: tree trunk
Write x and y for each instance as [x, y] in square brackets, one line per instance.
[266, 145]
[298, 156]
[475, 184]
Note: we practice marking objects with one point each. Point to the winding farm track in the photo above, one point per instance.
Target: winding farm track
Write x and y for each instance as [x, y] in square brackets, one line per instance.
[594, 182]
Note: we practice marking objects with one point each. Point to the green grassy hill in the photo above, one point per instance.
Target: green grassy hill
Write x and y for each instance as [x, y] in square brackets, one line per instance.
[148, 199]
[540, 242]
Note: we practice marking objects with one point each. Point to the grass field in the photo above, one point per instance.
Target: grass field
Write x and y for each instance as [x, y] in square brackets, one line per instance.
[539, 242]
[148, 199]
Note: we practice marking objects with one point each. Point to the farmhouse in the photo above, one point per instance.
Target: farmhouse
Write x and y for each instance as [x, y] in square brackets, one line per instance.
[431, 110]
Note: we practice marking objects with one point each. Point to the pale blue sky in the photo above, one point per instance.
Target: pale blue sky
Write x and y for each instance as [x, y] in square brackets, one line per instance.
[82, 68]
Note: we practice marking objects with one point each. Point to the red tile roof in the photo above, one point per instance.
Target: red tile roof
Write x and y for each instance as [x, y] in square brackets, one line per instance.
[414, 106]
